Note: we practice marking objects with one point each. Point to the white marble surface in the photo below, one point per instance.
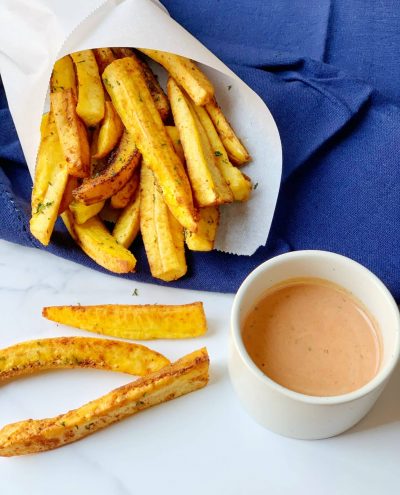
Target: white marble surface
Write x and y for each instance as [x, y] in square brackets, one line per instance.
[203, 443]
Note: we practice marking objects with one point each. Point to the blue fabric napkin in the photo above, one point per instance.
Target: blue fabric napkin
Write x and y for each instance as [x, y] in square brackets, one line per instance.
[329, 72]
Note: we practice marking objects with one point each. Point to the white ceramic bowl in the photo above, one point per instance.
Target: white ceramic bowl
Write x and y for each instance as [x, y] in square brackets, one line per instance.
[290, 413]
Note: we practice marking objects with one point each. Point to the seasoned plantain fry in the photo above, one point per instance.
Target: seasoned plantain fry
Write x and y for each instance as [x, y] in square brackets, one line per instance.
[209, 187]
[165, 247]
[186, 375]
[137, 322]
[51, 176]
[121, 168]
[123, 197]
[234, 147]
[63, 76]
[176, 141]
[204, 238]
[239, 184]
[91, 99]
[67, 197]
[110, 132]
[78, 352]
[96, 241]
[132, 100]
[159, 97]
[186, 74]
[71, 132]
[82, 212]
[128, 223]
[104, 57]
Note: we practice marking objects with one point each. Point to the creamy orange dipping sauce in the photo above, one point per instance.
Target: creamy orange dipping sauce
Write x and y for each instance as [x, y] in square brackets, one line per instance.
[313, 337]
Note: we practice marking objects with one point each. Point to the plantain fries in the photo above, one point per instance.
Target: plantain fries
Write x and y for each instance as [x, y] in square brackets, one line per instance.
[163, 240]
[110, 131]
[137, 322]
[159, 97]
[204, 238]
[124, 82]
[71, 132]
[51, 176]
[67, 197]
[176, 141]
[63, 76]
[239, 184]
[209, 187]
[186, 375]
[123, 164]
[82, 212]
[96, 241]
[91, 99]
[123, 197]
[78, 352]
[127, 226]
[186, 73]
[235, 149]
[104, 57]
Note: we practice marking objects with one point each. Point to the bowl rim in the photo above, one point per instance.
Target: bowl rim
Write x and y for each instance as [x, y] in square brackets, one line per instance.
[236, 335]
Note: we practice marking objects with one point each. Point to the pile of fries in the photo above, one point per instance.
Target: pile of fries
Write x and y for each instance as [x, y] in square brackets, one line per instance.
[116, 150]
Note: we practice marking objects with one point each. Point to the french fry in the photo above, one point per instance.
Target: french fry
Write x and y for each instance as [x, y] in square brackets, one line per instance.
[63, 76]
[239, 184]
[95, 240]
[72, 133]
[110, 132]
[132, 100]
[128, 224]
[176, 141]
[159, 97]
[209, 187]
[186, 375]
[104, 57]
[91, 99]
[51, 177]
[121, 168]
[123, 197]
[186, 74]
[82, 212]
[165, 249]
[78, 352]
[234, 147]
[67, 197]
[204, 238]
[110, 214]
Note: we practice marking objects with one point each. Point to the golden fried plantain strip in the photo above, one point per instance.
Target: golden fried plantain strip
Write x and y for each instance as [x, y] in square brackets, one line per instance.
[71, 132]
[209, 187]
[104, 57]
[234, 147]
[128, 224]
[165, 248]
[78, 352]
[82, 212]
[239, 184]
[124, 196]
[97, 242]
[110, 132]
[63, 76]
[159, 97]
[138, 322]
[123, 164]
[186, 375]
[132, 100]
[91, 99]
[67, 197]
[204, 238]
[176, 141]
[186, 74]
[51, 176]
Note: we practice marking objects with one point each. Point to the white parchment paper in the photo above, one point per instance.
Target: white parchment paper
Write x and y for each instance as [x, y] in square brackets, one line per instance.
[35, 33]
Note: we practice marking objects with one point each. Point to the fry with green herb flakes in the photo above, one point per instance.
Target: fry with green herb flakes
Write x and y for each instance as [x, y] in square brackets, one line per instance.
[176, 141]
[123, 197]
[186, 375]
[39, 355]
[136, 322]
[104, 57]
[204, 238]
[110, 131]
[125, 84]
[128, 224]
[63, 76]
[91, 99]
[82, 212]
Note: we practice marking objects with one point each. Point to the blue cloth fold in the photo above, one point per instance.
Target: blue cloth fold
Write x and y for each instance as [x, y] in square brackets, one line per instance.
[331, 90]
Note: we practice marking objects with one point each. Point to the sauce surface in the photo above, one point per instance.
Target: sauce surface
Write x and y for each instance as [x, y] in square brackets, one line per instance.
[313, 337]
